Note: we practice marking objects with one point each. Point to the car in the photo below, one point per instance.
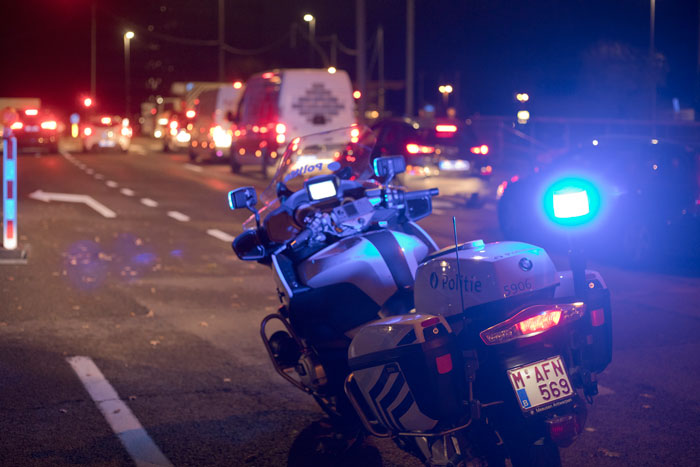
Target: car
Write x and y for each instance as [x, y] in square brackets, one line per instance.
[106, 132]
[280, 105]
[36, 130]
[443, 151]
[211, 133]
[647, 192]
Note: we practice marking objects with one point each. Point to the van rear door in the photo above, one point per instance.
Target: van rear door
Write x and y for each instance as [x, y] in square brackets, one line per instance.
[312, 101]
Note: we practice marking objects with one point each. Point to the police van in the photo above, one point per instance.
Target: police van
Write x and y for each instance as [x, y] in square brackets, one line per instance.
[277, 106]
[211, 133]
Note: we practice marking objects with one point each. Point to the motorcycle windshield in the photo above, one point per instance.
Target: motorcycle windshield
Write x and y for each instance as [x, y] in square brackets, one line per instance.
[346, 149]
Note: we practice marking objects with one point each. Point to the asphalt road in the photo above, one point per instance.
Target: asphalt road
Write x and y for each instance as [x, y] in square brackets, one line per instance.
[157, 301]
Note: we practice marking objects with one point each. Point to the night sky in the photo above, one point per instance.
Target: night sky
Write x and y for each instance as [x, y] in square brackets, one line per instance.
[574, 57]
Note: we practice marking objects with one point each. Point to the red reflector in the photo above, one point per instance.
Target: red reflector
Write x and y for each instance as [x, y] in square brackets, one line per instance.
[598, 317]
[541, 322]
[563, 430]
[444, 363]
[430, 322]
[514, 178]
[10, 229]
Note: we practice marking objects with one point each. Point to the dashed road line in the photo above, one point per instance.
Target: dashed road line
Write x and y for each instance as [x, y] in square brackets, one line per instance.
[120, 418]
[89, 171]
[149, 202]
[178, 216]
[111, 183]
[216, 233]
[194, 168]
[99, 176]
[126, 192]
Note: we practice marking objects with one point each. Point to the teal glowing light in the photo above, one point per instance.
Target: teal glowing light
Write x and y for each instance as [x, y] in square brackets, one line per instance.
[572, 202]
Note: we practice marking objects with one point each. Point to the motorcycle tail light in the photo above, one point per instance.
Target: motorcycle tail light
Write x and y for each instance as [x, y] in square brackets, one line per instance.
[49, 125]
[532, 321]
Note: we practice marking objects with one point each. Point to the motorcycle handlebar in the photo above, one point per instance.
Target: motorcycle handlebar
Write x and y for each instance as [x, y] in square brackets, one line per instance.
[409, 195]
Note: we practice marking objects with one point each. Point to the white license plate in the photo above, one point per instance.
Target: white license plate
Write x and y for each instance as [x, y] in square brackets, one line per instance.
[31, 128]
[541, 383]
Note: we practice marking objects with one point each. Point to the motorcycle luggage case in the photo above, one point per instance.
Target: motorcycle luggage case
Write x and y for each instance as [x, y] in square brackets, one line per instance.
[410, 372]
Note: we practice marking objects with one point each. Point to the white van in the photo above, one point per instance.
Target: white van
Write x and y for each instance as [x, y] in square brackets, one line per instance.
[280, 105]
[211, 133]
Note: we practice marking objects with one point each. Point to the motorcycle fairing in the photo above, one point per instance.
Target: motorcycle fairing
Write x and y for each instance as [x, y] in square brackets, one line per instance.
[489, 272]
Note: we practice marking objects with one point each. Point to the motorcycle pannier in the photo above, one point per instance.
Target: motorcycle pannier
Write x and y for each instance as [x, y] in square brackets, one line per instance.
[410, 372]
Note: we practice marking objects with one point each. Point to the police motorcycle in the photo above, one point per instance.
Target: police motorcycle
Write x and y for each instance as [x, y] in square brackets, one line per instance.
[469, 355]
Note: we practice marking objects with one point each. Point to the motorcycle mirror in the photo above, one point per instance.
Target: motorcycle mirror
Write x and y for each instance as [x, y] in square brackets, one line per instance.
[245, 197]
[387, 167]
[248, 247]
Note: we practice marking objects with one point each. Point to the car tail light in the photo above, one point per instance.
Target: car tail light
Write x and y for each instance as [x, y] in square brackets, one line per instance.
[49, 125]
[280, 128]
[162, 121]
[87, 131]
[105, 120]
[486, 170]
[190, 114]
[446, 128]
[173, 124]
[237, 85]
[532, 321]
[126, 131]
[501, 188]
[221, 137]
[483, 149]
[413, 148]
[31, 112]
[17, 126]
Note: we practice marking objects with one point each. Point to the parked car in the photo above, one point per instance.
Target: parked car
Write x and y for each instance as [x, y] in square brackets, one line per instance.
[211, 133]
[647, 192]
[442, 151]
[35, 130]
[106, 132]
[278, 106]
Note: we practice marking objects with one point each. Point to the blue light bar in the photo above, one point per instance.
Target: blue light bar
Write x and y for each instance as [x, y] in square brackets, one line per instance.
[572, 202]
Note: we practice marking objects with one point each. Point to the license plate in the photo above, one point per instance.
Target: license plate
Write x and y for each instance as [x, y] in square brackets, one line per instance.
[541, 384]
[31, 128]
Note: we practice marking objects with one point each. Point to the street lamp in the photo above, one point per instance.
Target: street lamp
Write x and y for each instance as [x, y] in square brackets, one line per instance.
[127, 43]
[445, 90]
[309, 18]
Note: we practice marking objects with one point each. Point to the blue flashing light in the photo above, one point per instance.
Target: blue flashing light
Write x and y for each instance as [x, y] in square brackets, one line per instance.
[572, 202]
[10, 209]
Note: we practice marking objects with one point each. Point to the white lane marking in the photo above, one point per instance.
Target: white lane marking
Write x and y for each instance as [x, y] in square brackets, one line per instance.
[111, 184]
[193, 168]
[73, 198]
[126, 192]
[216, 233]
[178, 216]
[149, 202]
[99, 176]
[438, 212]
[89, 171]
[120, 418]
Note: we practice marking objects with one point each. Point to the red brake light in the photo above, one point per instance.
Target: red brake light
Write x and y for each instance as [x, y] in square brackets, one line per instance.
[31, 112]
[17, 126]
[446, 128]
[49, 125]
[267, 75]
[190, 114]
[280, 128]
[105, 120]
[532, 321]
[237, 85]
[413, 148]
[173, 124]
[542, 322]
[483, 149]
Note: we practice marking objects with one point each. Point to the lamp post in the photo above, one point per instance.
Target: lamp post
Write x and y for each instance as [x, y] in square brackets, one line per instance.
[309, 18]
[127, 43]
